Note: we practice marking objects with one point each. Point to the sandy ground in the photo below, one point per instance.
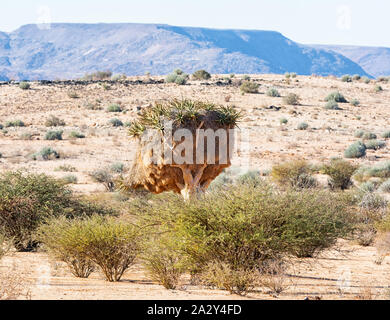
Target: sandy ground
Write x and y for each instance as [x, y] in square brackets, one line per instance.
[347, 274]
[335, 275]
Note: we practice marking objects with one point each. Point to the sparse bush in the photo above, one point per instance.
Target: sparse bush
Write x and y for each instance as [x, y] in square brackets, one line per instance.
[296, 174]
[385, 187]
[302, 126]
[291, 99]
[236, 281]
[340, 173]
[346, 78]
[378, 88]
[53, 121]
[293, 75]
[386, 135]
[381, 170]
[287, 75]
[76, 135]
[104, 177]
[355, 102]
[356, 150]
[369, 136]
[45, 154]
[201, 75]
[118, 168]
[273, 93]
[24, 85]
[73, 95]
[62, 239]
[356, 77]
[66, 168]
[375, 144]
[359, 134]
[114, 108]
[26, 136]
[283, 121]
[116, 122]
[164, 263]
[14, 123]
[178, 77]
[366, 80]
[26, 201]
[332, 105]
[367, 187]
[111, 244]
[70, 179]
[249, 87]
[336, 96]
[54, 135]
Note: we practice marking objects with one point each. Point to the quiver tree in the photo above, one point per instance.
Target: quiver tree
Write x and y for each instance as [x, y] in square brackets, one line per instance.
[182, 146]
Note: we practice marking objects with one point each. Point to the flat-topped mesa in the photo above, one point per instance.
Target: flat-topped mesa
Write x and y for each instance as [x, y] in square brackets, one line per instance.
[183, 146]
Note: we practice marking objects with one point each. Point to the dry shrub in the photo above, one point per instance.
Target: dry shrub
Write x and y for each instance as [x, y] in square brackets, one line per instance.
[27, 200]
[273, 276]
[340, 173]
[61, 241]
[111, 244]
[296, 174]
[164, 262]
[236, 281]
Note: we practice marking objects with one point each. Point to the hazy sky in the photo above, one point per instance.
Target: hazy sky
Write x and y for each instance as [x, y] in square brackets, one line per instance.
[358, 22]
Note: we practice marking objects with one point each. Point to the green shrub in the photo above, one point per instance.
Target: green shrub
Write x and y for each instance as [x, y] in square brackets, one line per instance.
[359, 134]
[111, 244]
[340, 173]
[118, 168]
[45, 154]
[70, 179]
[116, 122]
[24, 85]
[385, 187]
[54, 135]
[66, 168]
[332, 105]
[336, 96]
[273, 93]
[201, 75]
[283, 121]
[375, 144]
[356, 77]
[287, 75]
[27, 200]
[178, 77]
[378, 88]
[355, 102]
[366, 80]
[346, 78]
[164, 262]
[356, 150]
[73, 95]
[104, 177]
[15, 123]
[293, 75]
[386, 135]
[53, 121]
[302, 126]
[61, 238]
[114, 108]
[381, 170]
[369, 136]
[76, 135]
[367, 187]
[291, 99]
[245, 225]
[249, 87]
[296, 174]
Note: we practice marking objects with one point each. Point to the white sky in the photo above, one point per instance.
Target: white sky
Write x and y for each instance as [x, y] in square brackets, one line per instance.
[357, 22]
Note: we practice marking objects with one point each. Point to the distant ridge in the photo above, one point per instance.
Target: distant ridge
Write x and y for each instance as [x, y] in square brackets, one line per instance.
[68, 51]
[374, 60]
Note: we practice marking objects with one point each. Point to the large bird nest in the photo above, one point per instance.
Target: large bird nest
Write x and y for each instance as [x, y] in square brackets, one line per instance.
[152, 172]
